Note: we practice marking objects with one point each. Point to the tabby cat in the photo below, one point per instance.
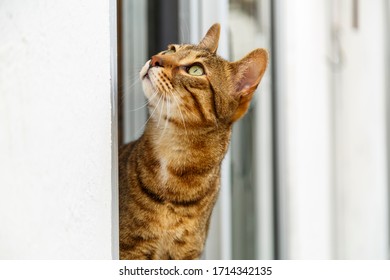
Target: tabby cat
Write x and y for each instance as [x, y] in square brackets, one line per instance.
[169, 178]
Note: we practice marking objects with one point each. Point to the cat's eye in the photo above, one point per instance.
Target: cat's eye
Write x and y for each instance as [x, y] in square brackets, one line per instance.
[196, 70]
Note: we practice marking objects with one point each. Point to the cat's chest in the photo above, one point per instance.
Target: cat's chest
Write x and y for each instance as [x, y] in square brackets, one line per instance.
[164, 173]
[176, 222]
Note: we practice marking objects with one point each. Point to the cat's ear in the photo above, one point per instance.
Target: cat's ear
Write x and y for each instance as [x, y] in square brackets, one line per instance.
[248, 73]
[211, 39]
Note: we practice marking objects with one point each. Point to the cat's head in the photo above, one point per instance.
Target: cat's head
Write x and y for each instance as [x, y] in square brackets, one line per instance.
[191, 86]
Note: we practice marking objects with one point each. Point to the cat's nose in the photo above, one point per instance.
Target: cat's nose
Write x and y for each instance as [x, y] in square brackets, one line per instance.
[156, 61]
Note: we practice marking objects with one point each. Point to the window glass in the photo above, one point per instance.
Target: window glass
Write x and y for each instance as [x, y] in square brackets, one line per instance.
[247, 26]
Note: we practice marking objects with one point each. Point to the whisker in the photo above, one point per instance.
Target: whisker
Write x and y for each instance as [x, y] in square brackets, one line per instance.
[151, 115]
[191, 112]
[168, 114]
[129, 82]
[126, 90]
[147, 102]
[161, 109]
[185, 109]
[178, 106]
[168, 106]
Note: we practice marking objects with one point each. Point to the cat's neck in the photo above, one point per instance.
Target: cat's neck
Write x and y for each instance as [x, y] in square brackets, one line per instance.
[188, 146]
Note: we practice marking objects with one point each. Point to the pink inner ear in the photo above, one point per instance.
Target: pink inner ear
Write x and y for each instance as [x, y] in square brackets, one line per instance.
[251, 75]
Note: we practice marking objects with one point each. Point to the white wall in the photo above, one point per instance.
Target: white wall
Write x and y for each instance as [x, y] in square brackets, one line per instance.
[361, 187]
[332, 130]
[55, 130]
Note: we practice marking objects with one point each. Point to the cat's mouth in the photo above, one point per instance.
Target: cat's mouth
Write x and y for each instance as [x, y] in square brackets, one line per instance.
[145, 71]
[146, 76]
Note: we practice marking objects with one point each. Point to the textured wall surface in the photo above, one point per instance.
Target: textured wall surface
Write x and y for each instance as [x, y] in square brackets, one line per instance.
[55, 130]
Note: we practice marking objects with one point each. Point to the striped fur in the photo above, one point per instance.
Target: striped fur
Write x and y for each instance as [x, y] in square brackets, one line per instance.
[169, 178]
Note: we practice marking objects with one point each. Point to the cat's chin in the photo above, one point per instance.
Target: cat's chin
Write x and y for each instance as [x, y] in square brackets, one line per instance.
[147, 87]
[145, 79]
[144, 70]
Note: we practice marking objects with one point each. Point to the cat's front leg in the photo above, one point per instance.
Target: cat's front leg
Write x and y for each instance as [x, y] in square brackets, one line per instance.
[138, 251]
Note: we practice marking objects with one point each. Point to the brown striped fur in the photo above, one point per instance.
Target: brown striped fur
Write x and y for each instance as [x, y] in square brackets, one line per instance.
[169, 178]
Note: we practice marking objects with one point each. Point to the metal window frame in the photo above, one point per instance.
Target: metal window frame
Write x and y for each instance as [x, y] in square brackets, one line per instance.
[114, 131]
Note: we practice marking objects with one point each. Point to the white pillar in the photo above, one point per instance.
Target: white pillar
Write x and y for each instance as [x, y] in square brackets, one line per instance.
[55, 130]
[304, 130]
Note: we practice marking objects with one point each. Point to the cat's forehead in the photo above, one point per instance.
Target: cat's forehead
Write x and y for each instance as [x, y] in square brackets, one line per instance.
[187, 51]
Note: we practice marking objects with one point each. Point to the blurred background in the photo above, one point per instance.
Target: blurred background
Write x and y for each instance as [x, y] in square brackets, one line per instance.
[306, 176]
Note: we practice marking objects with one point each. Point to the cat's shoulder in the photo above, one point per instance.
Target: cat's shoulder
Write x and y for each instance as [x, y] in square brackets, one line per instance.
[125, 151]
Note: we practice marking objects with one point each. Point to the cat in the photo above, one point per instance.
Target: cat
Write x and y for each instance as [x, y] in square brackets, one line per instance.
[169, 178]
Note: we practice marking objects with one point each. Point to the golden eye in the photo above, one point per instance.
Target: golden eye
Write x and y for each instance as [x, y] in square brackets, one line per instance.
[196, 70]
